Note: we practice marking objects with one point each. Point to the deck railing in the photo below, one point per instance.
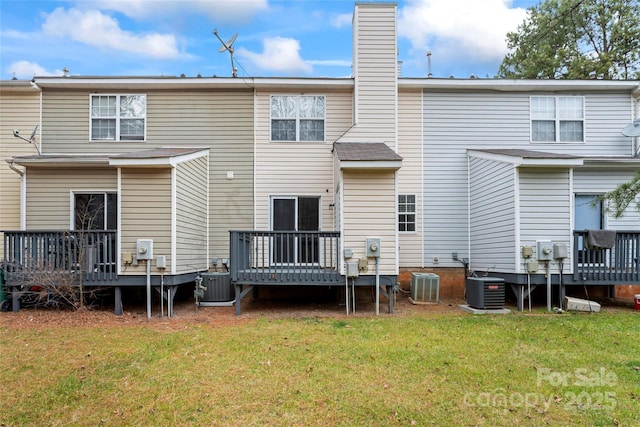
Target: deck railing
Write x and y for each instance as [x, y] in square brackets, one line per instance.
[284, 257]
[87, 252]
[618, 265]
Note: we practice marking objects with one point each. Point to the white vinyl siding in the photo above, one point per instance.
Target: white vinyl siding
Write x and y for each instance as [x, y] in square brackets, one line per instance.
[493, 215]
[410, 174]
[50, 192]
[191, 215]
[545, 206]
[457, 120]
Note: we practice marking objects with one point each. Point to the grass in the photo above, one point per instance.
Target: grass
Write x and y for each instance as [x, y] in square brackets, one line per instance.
[573, 369]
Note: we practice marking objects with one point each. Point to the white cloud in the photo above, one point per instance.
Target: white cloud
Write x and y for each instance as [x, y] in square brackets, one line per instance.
[342, 20]
[279, 54]
[27, 70]
[220, 11]
[102, 31]
[469, 29]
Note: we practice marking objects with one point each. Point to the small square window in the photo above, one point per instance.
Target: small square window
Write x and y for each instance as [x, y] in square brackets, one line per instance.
[118, 117]
[557, 119]
[297, 118]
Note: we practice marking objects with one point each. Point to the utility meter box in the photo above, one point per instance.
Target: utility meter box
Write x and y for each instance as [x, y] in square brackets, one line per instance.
[560, 251]
[373, 247]
[352, 269]
[545, 250]
[144, 249]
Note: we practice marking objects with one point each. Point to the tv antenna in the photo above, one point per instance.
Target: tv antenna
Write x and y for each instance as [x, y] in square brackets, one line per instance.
[228, 46]
[32, 138]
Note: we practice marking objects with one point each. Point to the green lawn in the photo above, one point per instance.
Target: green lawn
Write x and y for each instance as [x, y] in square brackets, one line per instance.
[519, 369]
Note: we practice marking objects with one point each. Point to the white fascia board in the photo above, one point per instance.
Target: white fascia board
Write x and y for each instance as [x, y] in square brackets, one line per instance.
[526, 161]
[168, 161]
[139, 83]
[516, 160]
[154, 162]
[613, 162]
[552, 162]
[505, 85]
[360, 164]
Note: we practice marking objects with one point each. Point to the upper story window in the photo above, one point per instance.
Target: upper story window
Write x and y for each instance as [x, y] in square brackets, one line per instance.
[407, 212]
[557, 119]
[297, 118]
[118, 117]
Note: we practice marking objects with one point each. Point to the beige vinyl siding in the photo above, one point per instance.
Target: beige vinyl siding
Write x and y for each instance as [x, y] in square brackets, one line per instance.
[410, 175]
[492, 205]
[49, 193]
[191, 215]
[145, 201]
[375, 70]
[545, 207]
[369, 211]
[298, 168]
[221, 120]
[18, 110]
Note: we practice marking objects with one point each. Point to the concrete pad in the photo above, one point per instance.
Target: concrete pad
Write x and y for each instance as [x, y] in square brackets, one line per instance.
[473, 310]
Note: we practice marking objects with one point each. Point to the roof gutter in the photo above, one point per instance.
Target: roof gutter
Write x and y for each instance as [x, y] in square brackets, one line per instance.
[14, 168]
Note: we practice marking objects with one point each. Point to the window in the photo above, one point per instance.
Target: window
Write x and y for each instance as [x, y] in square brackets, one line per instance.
[118, 117]
[557, 119]
[406, 212]
[95, 211]
[297, 118]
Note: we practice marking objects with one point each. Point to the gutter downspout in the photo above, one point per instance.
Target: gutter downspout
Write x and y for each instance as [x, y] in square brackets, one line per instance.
[15, 169]
[23, 193]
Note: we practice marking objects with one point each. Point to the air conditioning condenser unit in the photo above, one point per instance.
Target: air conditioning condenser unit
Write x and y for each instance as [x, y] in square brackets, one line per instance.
[425, 288]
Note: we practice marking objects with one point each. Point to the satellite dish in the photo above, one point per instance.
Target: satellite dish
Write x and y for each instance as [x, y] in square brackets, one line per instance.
[632, 129]
[33, 134]
[31, 140]
[228, 46]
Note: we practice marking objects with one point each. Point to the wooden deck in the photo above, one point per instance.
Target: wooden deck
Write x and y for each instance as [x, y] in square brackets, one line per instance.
[291, 258]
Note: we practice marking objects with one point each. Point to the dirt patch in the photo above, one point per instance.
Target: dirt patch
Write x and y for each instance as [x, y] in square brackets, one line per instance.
[185, 313]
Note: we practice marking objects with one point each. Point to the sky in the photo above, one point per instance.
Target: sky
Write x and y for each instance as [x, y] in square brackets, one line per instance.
[275, 38]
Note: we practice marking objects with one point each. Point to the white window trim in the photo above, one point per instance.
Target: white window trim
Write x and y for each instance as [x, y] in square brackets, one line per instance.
[72, 204]
[557, 120]
[118, 118]
[415, 213]
[324, 120]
